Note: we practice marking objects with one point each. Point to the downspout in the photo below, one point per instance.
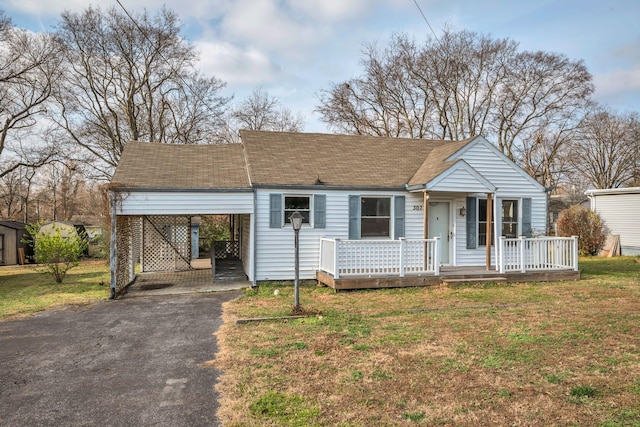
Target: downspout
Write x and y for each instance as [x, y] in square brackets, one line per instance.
[254, 233]
[112, 247]
[496, 237]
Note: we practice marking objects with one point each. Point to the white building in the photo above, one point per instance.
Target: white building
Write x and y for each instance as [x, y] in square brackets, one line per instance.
[619, 207]
[347, 187]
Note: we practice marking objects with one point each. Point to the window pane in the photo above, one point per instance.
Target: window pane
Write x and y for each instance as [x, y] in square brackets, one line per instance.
[375, 227]
[510, 218]
[509, 211]
[375, 217]
[482, 223]
[297, 203]
[510, 230]
[376, 206]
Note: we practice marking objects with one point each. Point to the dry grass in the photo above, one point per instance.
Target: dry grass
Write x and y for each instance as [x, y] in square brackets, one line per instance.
[563, 353]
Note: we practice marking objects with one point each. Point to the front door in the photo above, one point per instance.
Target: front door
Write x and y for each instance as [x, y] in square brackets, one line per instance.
[439, 227]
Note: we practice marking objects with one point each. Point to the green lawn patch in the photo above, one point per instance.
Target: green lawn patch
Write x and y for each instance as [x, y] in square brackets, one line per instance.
[24, 291]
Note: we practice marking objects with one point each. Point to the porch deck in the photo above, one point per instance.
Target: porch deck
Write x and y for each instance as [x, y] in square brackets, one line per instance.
[448, 275]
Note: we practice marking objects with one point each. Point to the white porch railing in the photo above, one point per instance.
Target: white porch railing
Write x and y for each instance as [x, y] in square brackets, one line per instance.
[379, 257]
[536, 254]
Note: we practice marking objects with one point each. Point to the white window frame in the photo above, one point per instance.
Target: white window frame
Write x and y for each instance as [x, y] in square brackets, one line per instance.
[518, 219]
[286, 213]
[389, 217]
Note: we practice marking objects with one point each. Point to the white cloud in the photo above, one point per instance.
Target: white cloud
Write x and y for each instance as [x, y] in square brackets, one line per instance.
[331, 10]
[234, 65]
[618, 81]
[263, 23]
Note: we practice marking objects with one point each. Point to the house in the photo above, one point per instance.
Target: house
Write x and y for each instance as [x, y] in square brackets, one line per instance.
[452, 198]
[618, 208]
[12, 248]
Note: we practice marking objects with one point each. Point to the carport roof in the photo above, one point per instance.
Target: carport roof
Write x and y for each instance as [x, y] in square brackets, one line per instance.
[173, 166]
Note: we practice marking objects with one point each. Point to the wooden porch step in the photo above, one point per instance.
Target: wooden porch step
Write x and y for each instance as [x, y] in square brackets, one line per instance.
[472, 279]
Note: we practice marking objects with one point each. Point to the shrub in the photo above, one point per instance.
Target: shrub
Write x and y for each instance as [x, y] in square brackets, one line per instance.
[55, 252]
[587, 225]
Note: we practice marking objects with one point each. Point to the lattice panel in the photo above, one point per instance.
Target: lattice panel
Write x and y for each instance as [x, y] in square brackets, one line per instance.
[166, 243]
[227, 249]
[123, 252]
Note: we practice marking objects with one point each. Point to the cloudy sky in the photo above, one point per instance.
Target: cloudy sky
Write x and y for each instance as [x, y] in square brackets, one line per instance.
[294, 48]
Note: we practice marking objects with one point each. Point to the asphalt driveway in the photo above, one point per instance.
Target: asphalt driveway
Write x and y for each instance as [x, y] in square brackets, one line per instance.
[117, 363]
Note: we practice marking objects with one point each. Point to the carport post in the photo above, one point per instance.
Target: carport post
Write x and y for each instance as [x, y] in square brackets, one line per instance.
[112, 247]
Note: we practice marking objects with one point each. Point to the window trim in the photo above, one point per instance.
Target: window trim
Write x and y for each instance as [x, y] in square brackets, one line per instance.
[285, 217]
[518, 220]
[484, 222]
[390, 217]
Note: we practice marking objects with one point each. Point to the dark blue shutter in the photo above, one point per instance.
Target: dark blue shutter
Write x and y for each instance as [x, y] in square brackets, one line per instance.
[472, 223]
[398, 217]
[275, 210]
[526, 216]
[354, 217]
[319, 211]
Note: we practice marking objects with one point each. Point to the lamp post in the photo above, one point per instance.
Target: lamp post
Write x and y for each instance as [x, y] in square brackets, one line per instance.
[296, 222]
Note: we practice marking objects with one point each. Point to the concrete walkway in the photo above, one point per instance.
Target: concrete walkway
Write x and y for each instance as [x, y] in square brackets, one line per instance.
[180, 282]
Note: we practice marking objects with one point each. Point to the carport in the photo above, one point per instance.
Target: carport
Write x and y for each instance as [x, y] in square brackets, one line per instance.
[157, 191]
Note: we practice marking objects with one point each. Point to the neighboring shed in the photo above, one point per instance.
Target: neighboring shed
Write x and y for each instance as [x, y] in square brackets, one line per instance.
[66, 228]
[12, 249]
[619, 207]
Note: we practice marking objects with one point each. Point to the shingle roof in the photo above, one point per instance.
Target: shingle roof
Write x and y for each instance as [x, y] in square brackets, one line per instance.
[172, 166]
[283, 158]
[436, 163]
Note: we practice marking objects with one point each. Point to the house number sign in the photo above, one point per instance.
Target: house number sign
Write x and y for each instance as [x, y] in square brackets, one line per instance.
[418, 207]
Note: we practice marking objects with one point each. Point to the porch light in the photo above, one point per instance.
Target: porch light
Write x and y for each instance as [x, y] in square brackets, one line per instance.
[463, 211]
[296, 222]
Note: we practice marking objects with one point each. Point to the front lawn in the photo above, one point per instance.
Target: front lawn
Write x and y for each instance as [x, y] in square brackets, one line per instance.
[24, 291]
[561, 353]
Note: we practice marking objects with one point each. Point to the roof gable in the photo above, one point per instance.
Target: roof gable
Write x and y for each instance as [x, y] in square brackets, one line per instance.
[456, 174]
[437, 162]
[480, 140]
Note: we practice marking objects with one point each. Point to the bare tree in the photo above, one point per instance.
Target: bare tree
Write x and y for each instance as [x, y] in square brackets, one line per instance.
[606, 149]
[542, 90]
[458, 86]
[261, 111]
[29, 68]
[10, 194]
[133, 77]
